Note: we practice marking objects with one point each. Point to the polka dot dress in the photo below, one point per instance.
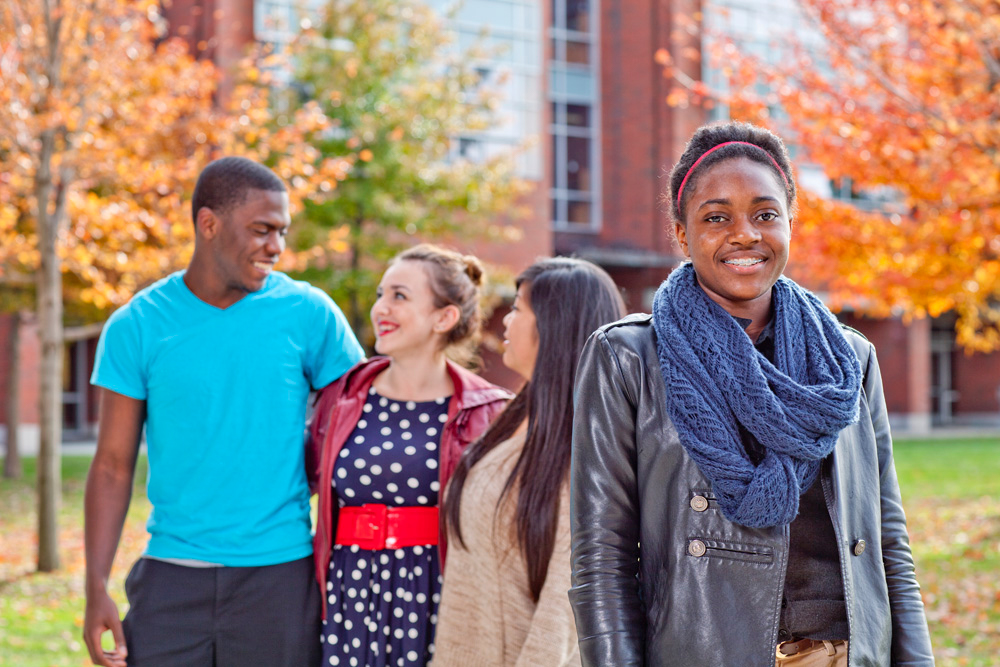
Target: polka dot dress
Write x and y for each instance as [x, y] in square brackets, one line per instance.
[381, 606]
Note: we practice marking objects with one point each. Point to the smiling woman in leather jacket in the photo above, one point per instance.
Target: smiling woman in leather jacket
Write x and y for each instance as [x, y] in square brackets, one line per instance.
[734, 500]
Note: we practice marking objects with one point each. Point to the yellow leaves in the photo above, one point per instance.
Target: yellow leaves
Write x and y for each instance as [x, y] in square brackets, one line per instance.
[135, 126]
[678, 97]
[874, 110]
[938, 306]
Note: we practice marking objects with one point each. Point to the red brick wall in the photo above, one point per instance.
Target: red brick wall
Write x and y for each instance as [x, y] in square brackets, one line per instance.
[535, 230]
[29, 356]
[4, 364]
[641, 135]
[977, 379]
[218, 30]
[635, 285]
[904, 359]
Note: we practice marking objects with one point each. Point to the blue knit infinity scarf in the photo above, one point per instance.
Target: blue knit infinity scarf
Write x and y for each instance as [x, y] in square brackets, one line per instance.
[795, 407]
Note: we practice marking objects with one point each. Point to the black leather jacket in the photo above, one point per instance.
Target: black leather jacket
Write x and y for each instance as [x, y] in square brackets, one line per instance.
[660, 577]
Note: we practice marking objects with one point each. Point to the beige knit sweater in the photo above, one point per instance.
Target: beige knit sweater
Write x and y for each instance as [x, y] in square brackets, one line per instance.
[487, 616]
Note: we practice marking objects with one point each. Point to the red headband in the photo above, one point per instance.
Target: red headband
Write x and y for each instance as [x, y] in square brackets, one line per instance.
[680, 190]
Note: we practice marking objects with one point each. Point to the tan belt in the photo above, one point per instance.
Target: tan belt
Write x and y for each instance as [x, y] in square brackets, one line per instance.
[799, 645]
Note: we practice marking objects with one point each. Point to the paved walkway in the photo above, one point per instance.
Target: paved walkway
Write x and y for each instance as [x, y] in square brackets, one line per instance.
[947, 433]
[76, 448]
[80, 448]
[87, 448]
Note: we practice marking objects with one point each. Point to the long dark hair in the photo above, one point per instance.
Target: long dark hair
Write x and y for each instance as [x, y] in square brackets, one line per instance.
[570, 298]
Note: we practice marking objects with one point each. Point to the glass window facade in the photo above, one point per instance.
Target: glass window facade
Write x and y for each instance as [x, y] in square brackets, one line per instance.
[510, 29]
[574, 96]
[759, 27]
[278, 21]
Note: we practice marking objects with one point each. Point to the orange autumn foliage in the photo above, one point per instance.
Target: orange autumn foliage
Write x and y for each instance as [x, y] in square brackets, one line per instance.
[125, 122]
[104, 127]
[133, 119]
[903, 98]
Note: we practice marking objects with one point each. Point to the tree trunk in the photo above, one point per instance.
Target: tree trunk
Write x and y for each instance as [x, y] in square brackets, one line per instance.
[354, 305]
[12, 456]
[50, 314]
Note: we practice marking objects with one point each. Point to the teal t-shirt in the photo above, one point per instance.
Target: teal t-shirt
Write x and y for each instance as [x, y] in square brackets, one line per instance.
[225, 394]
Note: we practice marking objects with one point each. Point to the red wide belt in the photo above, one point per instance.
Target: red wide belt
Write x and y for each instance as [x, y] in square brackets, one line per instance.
[375, 527]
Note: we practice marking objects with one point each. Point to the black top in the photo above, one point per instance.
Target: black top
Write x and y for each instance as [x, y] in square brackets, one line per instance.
[813, 602]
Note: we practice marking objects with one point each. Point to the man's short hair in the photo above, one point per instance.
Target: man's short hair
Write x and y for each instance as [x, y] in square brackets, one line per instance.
[225, 182]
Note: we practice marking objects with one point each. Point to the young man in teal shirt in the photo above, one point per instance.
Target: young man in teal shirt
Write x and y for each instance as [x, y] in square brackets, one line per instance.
[216, 362]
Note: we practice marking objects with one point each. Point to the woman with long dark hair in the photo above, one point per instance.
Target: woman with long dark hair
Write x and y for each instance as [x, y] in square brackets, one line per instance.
[507, 506]
[384, 440]
[734, 496]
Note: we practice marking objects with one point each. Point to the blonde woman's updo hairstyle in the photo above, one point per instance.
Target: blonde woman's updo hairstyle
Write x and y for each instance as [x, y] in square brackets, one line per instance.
[455, 280]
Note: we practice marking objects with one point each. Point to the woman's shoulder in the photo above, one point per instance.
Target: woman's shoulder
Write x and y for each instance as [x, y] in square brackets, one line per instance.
[862, 346]
[475, 391]
[496, 465]
[356, 380]
[622, 352]
[633, 333]
[635, 324]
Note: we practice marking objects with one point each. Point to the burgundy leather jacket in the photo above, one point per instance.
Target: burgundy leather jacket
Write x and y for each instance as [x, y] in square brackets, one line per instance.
[472, 408]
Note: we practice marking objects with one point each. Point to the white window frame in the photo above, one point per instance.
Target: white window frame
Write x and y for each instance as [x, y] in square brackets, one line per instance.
[559, 97]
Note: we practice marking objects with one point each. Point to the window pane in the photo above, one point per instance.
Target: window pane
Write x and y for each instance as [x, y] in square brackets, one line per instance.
[488, 12]
[578, 212]
[577, 52]
[578, 15]
[68, 369]
[578, 163]
[578, 115]
[556, 170]
[579, 84]
[470, 149]
[556, 213]
[71, 414]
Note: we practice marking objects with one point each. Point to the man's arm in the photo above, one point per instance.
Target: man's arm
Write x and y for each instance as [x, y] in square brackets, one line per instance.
[106, 501]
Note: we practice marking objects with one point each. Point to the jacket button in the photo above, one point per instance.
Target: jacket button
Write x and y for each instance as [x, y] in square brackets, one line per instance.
[696, 548]
[859, 547]
[699, 503]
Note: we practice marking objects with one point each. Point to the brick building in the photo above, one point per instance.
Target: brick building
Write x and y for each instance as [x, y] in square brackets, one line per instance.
[579, 77]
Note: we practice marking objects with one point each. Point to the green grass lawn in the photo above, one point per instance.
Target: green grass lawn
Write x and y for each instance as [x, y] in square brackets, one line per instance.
[41, 615]
[951, 490]
[948, 468]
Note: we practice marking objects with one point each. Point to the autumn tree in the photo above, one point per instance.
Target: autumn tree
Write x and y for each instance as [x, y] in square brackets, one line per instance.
[89, 107]
[397, 96]
[902, 99]
[107, 125]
